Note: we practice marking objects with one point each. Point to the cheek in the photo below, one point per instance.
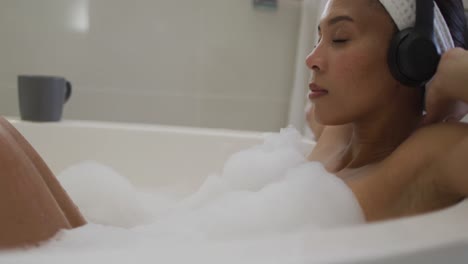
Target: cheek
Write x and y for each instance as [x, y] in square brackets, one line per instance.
[360, 83]
[359, 75]
[353, 67]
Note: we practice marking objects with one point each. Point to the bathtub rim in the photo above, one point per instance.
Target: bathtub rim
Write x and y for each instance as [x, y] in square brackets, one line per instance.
[146, 127]
[361, 251]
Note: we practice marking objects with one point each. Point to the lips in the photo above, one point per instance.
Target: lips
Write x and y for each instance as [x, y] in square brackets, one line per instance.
[316, 91]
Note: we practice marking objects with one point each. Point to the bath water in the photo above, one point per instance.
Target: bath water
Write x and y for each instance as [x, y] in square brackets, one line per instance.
[259, 209]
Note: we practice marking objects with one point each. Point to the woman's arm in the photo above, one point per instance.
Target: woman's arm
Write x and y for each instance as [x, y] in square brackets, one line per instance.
[449, 85]
[425, 173]
[453, 168]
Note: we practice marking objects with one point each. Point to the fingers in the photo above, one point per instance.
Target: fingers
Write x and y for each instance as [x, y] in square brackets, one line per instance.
[444, 110]
[434, 105]
[448, 88]
[461, 110]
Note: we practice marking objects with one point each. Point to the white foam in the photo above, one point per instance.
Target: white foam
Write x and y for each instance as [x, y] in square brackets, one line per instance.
[103, 196]
[254, 211]
[254, 168]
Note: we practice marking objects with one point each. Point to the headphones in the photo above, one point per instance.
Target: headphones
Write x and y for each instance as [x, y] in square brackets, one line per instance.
[413, 57]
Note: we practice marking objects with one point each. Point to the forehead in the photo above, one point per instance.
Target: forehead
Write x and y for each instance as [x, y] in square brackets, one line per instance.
[363, 12]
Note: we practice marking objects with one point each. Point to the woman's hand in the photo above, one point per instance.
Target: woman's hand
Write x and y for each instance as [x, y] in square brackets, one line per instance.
[447, 93]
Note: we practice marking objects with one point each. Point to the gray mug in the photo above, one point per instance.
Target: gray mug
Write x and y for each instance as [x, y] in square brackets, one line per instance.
[41, 98]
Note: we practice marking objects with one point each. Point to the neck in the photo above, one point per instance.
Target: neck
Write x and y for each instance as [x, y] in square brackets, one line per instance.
[376, 137]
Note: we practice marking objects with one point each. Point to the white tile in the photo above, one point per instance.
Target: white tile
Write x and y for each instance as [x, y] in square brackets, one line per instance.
[248, 52]
[251, 115]
[9, 100]
[131, 107]
[161, 56]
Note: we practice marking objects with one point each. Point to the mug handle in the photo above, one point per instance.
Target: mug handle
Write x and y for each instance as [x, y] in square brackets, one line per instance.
[68, 92]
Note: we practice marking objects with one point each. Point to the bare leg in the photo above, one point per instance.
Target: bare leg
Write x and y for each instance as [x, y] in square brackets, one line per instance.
[33, 205]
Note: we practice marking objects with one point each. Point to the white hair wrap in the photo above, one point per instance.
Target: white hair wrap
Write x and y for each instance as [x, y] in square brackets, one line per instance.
[403, 13]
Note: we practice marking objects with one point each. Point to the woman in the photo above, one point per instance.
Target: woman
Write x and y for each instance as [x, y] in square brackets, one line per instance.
[387, 170]
[367, 121]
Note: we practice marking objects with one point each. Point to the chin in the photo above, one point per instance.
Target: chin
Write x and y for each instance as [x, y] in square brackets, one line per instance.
[331, 119]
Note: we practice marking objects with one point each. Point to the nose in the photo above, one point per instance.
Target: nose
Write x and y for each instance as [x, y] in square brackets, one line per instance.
[315, 60]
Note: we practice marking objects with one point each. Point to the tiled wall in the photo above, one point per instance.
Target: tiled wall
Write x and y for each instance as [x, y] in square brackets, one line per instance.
[207, 63]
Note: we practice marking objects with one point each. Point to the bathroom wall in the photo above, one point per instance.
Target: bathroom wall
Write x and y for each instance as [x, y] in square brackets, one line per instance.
[204, 63]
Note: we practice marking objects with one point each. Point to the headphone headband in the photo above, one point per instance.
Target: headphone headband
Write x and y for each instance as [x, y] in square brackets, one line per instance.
[425, 18]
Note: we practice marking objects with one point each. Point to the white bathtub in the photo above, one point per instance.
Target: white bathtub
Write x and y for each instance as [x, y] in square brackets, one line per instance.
[185, 156]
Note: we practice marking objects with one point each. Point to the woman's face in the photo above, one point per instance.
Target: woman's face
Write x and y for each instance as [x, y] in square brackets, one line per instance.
[351, 80]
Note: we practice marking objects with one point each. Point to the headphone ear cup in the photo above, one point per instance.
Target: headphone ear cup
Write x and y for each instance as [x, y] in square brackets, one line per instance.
[394, 55]
[412, 58]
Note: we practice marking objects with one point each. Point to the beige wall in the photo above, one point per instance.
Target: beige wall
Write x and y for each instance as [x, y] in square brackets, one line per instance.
[208, 63]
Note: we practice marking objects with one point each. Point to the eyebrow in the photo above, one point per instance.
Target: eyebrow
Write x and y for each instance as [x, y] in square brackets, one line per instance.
[337, 19]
